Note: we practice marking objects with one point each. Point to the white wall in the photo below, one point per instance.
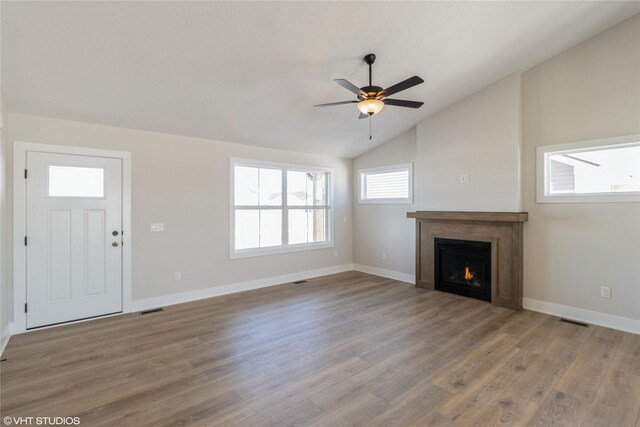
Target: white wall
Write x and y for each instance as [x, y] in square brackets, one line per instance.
[479, 136]
[385, 228]
[184, 183]
[588, 92]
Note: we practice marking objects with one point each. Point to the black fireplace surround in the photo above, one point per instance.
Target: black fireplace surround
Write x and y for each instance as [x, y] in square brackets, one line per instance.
[463, 267]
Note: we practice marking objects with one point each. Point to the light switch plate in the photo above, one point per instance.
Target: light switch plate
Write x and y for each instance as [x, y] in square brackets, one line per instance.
[157, 227]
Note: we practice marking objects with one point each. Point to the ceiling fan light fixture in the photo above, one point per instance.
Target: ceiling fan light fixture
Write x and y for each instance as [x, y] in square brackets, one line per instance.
[370, 106]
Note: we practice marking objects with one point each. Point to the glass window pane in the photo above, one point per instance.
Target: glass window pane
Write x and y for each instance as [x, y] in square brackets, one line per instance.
[297, 226]
[306, 188]
[247, 229]
[246, 186]
[387, 185]
[317, 221]
[72, 181]
[296, 188]
[307, 226]
[270, 187]
[270, 228]
[320, 187]
[609, 170]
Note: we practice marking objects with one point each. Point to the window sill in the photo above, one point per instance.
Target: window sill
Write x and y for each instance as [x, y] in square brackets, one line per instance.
[591, 198]
[248, 253]
[385, 201]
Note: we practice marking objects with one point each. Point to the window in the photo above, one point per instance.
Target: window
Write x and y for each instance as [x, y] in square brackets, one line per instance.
[389, 184]
[278, 208]
[605, 170]
[73, 181]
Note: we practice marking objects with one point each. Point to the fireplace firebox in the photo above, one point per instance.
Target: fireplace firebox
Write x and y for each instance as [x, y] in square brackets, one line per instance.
[463, 267]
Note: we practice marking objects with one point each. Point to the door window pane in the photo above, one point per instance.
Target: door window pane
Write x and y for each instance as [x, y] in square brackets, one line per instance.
[72, 181]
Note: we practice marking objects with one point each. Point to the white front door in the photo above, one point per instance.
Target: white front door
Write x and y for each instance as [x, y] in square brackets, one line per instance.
[74, 237]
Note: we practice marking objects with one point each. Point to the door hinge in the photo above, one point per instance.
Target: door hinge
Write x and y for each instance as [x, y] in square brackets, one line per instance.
[26, 174]
[25, 240]
[25, 307]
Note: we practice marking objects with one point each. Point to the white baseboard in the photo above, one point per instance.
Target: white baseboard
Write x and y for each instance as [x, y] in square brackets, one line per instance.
[389, 274]
[4, 340]
[182, 297]
[588, 316]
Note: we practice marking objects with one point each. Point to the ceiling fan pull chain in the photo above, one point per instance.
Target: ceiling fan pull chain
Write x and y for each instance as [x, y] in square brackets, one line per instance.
[370, 127]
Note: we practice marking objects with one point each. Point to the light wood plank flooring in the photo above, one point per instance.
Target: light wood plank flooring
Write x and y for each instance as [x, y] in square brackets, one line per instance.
[347, 349]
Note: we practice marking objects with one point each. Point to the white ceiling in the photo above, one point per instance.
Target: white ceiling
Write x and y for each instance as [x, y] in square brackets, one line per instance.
[250, 72]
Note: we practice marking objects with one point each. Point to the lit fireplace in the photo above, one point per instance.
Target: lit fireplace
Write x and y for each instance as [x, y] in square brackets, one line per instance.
[467, 275]
[463, 267]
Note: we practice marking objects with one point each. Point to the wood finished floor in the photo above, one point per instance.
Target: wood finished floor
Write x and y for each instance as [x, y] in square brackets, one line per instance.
[347, 349]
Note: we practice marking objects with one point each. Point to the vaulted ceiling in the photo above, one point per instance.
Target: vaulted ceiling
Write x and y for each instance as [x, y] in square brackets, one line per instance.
[250, 72]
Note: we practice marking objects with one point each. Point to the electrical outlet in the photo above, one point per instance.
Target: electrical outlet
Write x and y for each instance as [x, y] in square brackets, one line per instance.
[344, 219]
[384, 255]
[464, 179]
[157, 227]
[605, 292]
[178, 275]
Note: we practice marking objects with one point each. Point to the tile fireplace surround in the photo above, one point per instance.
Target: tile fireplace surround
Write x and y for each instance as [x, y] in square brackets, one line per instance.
[502, 229]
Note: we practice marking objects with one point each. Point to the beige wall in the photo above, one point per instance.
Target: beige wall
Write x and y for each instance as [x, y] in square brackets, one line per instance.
[588, 92]
[6, 294]
[385, 228]
[479, 136]
[184, 183]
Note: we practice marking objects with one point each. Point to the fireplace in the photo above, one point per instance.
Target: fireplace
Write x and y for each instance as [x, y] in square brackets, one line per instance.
[493, 247]
[463, 267]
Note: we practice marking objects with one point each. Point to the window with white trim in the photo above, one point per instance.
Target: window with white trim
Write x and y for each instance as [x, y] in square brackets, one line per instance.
[278, 208]
[590, 171]
[387, 184]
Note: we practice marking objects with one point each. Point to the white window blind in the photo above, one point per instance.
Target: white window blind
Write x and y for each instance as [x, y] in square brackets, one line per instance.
[391, 184]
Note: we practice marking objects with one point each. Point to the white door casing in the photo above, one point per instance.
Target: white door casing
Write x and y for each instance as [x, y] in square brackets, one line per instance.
[74, 228]
[98, 279]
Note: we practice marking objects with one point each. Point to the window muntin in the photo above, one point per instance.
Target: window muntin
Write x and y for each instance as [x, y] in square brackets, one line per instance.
[389, 184]
[590, 171]
[278, 208]
[75, 181]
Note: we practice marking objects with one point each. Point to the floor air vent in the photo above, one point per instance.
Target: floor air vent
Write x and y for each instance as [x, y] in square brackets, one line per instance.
[299, 281]
[153, 310]
[575, 322]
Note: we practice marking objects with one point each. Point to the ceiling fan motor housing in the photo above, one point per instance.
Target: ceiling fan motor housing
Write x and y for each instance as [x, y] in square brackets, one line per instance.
[371, 91]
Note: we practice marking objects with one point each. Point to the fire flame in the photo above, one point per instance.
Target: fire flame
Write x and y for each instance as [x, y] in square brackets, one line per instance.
[467, 274]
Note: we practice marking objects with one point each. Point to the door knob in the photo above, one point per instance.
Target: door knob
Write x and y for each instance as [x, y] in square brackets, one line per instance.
[114, 244]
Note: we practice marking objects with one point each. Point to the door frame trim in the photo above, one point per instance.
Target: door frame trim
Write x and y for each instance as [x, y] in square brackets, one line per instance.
[20, 150]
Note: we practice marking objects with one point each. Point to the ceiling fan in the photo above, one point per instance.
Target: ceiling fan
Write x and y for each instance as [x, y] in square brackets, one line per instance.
[372, 99]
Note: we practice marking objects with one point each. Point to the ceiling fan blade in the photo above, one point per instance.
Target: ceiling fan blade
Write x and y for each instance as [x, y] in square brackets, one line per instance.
[349, 86]
[336, 103]
[403, 103]
[403, 85]
[363, 116]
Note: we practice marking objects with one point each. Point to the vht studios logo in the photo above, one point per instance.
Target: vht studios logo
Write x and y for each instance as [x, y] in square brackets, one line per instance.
[41, 421]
